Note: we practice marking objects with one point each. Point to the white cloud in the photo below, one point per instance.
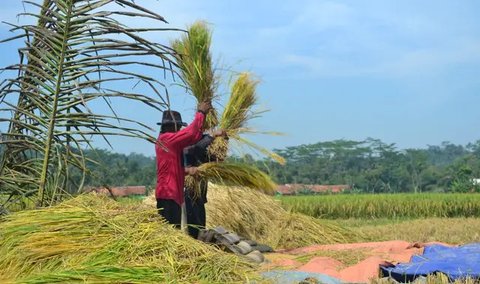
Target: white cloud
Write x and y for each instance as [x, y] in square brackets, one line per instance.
[334, 39]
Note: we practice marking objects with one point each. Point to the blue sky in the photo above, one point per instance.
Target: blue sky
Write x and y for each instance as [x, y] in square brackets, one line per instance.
[406, 72]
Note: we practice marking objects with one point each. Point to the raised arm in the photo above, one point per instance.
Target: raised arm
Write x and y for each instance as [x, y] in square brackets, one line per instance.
[192, 133]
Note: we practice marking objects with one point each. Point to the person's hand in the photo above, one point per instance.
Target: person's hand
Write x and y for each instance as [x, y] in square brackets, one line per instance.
[219, 133]
[205, 106]
[191, 171]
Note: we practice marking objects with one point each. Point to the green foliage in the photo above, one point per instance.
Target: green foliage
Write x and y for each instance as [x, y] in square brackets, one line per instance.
[75, 55]
[344, 206]
[372, 166]
[463, 181]
[366, 167]
[134, 169]
[115, 169]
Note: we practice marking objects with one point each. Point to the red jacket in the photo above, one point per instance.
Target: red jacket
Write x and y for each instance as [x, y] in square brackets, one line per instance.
[169, 151]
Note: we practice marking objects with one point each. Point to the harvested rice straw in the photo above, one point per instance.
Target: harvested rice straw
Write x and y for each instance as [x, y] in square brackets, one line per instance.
[259, 217]
[95, 239]
[195, 62]
[236, 114]
[238, 174]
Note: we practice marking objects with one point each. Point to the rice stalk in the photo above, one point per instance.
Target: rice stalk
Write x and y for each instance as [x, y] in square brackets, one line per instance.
[236, 174]
[260, 217]
[196, 67]
[235, 117]
[94, 239]
[401, 205]
[238, 110]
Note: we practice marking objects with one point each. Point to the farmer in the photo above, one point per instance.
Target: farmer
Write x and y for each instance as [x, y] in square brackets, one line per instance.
[195, 199]
[169, 150]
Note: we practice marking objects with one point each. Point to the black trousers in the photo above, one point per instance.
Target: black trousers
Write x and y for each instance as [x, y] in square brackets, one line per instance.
[196, 217]
[170, 210]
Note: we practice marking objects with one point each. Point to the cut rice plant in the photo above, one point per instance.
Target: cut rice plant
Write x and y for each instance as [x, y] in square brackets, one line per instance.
[236, 115]
[196, 67]
[93, 239]
[260, 217]
[236, 174]
[238, 110]
[257, 216]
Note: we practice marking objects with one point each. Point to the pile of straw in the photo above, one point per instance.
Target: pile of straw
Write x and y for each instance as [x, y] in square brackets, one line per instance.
[260, 217]
[257, 216]
[95, 239]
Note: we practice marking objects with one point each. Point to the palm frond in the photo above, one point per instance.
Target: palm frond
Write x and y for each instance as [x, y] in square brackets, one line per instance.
[195, 61]
[77, 54]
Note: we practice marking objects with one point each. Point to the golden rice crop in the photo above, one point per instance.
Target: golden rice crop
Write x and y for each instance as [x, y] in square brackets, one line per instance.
[238, 174]
[238, 110]
[257, 216]
[385, 205]
[196, 67]
[95, 239]
[235, 117]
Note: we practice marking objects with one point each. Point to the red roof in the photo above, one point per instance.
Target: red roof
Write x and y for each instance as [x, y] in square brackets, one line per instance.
[122, 190]
[288, 189]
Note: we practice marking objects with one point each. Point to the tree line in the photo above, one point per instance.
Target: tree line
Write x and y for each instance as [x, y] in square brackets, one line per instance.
[376, 167]
[370, 166]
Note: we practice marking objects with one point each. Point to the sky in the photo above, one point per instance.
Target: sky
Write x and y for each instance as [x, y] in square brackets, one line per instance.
[406, 72]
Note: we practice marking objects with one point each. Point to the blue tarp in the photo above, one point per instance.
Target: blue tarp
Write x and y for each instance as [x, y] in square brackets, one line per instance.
[291, 277]
[456, 262]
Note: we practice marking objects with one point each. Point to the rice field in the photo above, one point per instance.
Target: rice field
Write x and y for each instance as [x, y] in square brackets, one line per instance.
[393, 206]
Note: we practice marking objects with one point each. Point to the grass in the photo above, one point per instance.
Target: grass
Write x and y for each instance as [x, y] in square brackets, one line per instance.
[447, 230]
[394, 206]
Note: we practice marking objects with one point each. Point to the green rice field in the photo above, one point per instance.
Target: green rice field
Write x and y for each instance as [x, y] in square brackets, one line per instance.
[343, 206]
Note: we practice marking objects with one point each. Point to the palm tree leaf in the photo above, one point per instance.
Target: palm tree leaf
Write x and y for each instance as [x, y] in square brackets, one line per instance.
[59, 75]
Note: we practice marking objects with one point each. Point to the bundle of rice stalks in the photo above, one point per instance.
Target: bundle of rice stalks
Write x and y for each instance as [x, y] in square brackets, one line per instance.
[236, 115]
[257, 216]
[238, 174]
[195, 62]
[95, 239]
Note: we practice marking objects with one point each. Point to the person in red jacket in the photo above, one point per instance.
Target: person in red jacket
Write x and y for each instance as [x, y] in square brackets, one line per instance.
[170, 169]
